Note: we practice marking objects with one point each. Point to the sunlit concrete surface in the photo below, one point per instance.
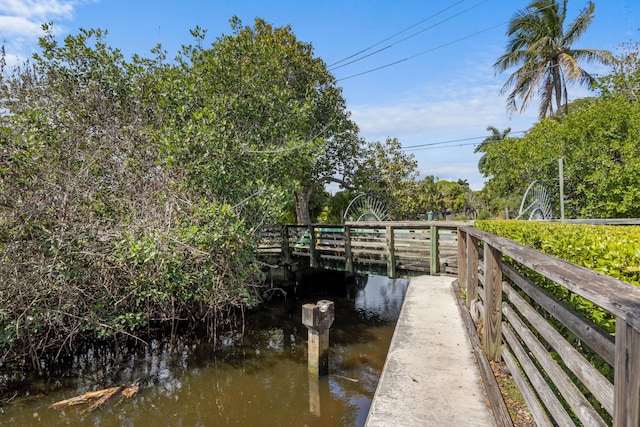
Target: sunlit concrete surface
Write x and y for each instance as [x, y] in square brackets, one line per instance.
[430, 376]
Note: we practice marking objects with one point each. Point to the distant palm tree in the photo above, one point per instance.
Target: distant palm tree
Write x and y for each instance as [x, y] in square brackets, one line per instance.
[495, 136]
[541, 46]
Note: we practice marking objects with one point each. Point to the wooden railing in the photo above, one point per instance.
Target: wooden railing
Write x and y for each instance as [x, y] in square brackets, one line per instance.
[550, 348]
[393, 248]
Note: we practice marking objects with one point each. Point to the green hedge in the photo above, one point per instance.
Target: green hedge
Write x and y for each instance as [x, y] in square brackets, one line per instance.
[607, 249]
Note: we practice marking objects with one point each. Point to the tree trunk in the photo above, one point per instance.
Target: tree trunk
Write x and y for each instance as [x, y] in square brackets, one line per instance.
[302, 198]
[302, 207]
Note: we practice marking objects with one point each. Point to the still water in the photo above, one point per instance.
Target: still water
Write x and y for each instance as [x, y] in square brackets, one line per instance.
[258, 378]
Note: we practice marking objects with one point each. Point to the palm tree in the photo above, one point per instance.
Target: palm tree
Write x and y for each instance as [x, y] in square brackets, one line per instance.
[495, 136]
[541, 47]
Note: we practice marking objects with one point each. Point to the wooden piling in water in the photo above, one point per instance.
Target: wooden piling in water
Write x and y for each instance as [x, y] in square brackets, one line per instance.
[318, 318]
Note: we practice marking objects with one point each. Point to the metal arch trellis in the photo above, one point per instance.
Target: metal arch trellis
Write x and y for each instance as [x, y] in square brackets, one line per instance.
[365, 207]
[536, 203]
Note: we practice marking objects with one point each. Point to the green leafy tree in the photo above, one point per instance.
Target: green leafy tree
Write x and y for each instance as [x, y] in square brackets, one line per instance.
[542, 48]
[624, 78]
[273, 104]
[387, 172]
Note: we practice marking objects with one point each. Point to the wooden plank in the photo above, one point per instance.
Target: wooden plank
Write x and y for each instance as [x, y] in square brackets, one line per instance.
[598, 340]
[537, 411]
[619, 298]
[472, 269]
[597, 384]
[570, 392]
[462, 265]
[627, 376]
[492, 302]
[497, 405]
[544, 392]
[433, 253]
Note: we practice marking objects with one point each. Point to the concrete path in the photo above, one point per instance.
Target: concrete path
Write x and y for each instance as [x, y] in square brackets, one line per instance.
[430, 377]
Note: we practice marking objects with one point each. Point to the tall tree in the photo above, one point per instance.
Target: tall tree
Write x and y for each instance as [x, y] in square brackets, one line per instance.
[274, 105]
[541, 46]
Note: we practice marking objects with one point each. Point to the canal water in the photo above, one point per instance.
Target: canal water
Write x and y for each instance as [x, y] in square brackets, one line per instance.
[258, 378]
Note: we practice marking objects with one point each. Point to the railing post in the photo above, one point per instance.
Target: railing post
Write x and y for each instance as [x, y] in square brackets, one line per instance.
[313, 251]
[627, 376]
[434, 259]
[462, 262]
[348, 256]
[391, 253]
[286, 251]
[492, 302]
[472, 271]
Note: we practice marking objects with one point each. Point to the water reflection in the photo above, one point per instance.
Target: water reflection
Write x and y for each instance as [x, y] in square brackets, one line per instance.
[256, 379]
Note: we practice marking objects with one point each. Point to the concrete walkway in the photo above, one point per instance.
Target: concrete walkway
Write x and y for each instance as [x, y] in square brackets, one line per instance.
[430, 377]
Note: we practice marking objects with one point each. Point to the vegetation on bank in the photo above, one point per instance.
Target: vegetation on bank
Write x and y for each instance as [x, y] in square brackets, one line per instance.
[132, 191]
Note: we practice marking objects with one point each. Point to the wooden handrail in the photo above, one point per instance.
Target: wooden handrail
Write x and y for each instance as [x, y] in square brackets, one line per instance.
[622, 398]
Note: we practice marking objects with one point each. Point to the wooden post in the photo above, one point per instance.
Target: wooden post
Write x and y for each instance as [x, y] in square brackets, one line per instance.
[286, 251]
[472, 270]
[493, 302]
[627, 376]
[391, 253]
[462, 263]
[313, 250]
[347, 250]
[318, 318]
[434, 259]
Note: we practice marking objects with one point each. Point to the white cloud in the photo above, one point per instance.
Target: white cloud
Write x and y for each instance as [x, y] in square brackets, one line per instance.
[38, 10]
[21, 21]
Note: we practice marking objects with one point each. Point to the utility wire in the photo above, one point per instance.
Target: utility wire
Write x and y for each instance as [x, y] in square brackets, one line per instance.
[408, 37]
[422, 53]
[394, 35]
[435, 48]
[429, 144]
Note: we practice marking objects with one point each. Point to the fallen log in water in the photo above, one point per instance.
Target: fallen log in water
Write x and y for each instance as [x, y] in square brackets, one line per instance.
[97, 398]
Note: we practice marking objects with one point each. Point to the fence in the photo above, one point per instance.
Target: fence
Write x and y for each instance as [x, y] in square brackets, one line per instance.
[394, 248]
[549, 347]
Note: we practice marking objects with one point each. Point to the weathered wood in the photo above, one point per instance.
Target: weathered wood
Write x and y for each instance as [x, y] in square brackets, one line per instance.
[462, 265]
[313, 250]
[286, 250]
[598, 340]
[597, 384]
[492, 303]
[391, 253]
[537, 411]
[472, 269]
[544, 392]
[347, 250]
[434, 262]
[497, 405]
[627, 376]
[619, 298]
[570, 392]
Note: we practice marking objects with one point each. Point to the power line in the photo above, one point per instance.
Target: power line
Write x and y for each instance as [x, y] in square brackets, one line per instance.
[430, 145]
[423, 52]
[332, 67]
[396, 34]
[432, 49]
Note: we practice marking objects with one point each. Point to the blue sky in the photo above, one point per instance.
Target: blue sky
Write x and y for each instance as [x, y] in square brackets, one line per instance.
[443, 89]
